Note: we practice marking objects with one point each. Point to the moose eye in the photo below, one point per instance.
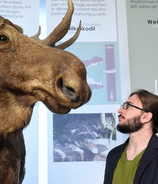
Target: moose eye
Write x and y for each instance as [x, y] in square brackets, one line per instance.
[3, 38]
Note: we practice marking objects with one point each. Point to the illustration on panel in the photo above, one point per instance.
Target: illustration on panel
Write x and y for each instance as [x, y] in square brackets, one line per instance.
[83, 137]
[101, 62]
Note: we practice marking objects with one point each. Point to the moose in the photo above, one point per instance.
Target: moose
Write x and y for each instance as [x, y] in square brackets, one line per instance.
[34, 70]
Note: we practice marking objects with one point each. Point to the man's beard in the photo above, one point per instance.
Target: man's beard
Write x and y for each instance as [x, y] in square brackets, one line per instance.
[130, 126]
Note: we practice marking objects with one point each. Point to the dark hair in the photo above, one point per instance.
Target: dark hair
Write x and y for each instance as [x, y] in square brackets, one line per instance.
[150, 104]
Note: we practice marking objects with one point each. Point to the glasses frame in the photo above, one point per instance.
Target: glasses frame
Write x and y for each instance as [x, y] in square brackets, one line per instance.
[129, 104]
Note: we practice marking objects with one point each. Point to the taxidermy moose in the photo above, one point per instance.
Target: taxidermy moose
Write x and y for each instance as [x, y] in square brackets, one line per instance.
[32, 71]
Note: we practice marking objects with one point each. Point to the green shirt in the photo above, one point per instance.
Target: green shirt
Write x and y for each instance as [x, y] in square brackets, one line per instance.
[125, 170]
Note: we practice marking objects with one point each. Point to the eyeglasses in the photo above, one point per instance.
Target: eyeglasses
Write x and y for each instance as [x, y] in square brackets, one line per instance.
[126, 105]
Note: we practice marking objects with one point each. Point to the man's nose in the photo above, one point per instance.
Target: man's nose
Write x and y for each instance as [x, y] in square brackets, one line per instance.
[120, 110]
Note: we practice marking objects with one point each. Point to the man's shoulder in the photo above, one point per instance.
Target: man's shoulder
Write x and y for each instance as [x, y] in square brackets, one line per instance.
[153, 141]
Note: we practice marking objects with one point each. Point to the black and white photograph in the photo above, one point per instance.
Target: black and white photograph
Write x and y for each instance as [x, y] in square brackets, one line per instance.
[83, 137]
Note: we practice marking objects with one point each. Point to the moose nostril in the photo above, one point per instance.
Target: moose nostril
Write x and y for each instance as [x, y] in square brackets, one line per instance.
[69, 92]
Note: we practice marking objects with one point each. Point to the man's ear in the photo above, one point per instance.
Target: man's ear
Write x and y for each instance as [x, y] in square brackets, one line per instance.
[146, 117]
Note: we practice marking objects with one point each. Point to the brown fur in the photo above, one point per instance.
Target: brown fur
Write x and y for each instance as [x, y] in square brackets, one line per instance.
[29, 72]
[12, 159]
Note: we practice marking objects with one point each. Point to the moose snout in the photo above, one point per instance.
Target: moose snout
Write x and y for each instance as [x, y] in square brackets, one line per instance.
[75, 91]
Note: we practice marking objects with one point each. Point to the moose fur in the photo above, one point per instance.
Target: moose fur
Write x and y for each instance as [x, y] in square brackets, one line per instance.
[12, 159]
[32, 71]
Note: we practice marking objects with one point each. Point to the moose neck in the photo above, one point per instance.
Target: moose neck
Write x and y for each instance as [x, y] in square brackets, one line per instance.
[15, 112]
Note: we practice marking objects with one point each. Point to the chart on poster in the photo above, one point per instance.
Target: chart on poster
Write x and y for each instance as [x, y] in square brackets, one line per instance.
[98, 36]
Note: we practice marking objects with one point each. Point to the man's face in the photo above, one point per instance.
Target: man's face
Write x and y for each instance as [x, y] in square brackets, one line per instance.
[130, 126]
[130, 118]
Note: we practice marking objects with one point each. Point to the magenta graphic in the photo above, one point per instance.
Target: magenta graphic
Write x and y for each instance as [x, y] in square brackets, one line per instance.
[93, 63]
[110, 72]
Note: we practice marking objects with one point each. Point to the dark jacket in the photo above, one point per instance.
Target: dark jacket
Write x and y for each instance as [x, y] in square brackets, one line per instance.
[147, 171]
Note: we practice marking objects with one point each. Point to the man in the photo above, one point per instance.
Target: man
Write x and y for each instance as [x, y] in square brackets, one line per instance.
[136, 161]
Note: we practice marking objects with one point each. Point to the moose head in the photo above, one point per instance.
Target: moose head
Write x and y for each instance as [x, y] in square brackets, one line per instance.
[34, 70]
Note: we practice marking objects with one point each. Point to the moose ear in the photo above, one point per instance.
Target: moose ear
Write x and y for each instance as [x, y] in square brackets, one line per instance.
[6, 21]
[1, 21]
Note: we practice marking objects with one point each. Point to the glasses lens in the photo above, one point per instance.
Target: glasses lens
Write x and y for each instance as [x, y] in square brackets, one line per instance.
[125, 106]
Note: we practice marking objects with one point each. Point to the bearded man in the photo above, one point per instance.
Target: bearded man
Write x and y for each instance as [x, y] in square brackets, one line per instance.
[136, 161]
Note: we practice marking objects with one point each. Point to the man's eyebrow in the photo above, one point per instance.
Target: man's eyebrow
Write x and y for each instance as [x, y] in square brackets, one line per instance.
[128, 102]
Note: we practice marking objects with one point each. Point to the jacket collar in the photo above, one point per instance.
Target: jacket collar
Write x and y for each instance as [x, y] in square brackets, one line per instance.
[150, 153]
